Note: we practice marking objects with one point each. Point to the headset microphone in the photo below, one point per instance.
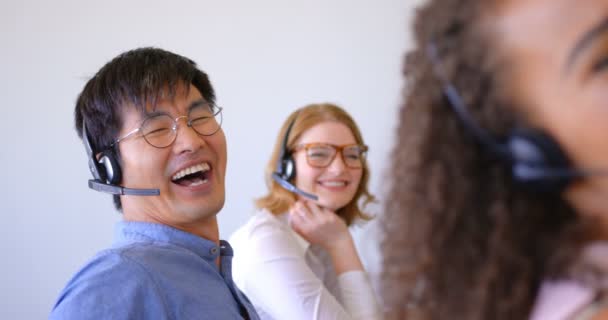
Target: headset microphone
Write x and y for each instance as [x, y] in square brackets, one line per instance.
[536, 160]
[118, 190]
[290, 187]
[286, 168]
[106, 171]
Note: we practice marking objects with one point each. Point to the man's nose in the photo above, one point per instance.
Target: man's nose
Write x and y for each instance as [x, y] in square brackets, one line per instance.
[187, 139]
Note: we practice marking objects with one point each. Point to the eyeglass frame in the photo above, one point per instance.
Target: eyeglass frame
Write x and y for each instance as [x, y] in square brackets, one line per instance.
[338, 149]
[175, 124]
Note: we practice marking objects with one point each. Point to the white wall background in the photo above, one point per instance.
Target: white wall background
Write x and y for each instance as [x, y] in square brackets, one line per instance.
[265, 58]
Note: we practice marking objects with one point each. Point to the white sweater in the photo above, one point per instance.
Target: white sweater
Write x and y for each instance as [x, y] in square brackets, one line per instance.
[285, 277]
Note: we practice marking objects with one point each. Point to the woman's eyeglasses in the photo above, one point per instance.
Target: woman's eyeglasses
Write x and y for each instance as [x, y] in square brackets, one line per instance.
[321, 155]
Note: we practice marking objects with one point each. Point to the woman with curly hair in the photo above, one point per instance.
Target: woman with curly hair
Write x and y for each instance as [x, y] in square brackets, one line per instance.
[498, 207]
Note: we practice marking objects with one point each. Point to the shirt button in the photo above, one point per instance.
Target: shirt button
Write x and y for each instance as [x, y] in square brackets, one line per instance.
[213, 250]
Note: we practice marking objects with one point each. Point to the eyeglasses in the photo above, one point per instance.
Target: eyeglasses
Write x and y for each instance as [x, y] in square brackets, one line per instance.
[160, 130]
[321, 155]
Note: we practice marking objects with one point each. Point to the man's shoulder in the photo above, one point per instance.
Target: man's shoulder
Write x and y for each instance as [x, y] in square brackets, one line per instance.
[114, 261]
[132, 260]
[112, 280]
[112, 267]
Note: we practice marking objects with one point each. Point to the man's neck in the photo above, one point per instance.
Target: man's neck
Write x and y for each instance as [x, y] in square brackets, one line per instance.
[205, 228]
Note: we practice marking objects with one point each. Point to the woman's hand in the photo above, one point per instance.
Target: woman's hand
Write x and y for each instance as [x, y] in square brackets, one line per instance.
[325, 228]
[318, 225]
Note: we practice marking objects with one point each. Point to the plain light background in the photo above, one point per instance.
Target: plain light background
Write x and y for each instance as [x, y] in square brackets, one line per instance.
[265, 59]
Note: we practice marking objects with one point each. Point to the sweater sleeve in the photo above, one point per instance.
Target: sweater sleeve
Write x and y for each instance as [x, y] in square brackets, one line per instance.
[358, 296]
[280, 282]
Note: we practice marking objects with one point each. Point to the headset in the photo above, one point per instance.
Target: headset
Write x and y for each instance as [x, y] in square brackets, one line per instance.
[106, 171]
[537, 162]
[286, 166]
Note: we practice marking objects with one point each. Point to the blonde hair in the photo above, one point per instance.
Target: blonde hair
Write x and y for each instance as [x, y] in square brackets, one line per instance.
[278, 200]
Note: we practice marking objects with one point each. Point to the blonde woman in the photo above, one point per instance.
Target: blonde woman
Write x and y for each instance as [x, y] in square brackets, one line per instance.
[295, 258]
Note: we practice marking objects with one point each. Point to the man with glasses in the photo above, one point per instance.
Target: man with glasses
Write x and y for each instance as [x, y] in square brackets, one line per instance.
[153, 132]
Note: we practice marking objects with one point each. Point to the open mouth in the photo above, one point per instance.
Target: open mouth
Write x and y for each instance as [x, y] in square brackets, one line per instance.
[192, 176]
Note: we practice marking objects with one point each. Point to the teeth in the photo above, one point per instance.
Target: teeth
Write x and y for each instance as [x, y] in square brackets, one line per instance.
[202, 167]
[334, 183]
[198, 182]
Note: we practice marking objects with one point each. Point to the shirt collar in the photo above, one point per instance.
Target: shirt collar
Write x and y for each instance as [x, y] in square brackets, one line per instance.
[132, 231]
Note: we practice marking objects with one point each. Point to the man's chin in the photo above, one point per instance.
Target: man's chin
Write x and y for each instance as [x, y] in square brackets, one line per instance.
[199, 212]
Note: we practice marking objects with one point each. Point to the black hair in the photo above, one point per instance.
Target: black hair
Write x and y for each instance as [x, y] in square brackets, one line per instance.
[136, 78]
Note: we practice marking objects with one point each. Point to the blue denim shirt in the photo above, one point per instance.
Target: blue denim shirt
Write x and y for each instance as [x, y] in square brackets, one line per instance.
[154, 271]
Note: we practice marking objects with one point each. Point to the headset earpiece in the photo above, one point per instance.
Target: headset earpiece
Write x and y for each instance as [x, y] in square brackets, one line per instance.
[97, 171]
[538, 162]
[288, 167]
[108, 160]
[106, 169]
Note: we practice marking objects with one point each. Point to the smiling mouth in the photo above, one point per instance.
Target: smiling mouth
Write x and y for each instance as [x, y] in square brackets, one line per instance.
[333, 184]
[192, 176]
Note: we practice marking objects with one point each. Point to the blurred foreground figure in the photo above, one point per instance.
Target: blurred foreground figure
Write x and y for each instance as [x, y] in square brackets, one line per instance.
[498, 207]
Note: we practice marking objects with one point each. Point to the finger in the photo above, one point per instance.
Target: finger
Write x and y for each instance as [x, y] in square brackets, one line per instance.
[299, 211]
[320, 212]
[312, 208]
[298, 223]
[295, 220]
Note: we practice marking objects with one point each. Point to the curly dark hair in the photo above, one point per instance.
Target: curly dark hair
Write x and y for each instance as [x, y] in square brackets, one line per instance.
[462, 240]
